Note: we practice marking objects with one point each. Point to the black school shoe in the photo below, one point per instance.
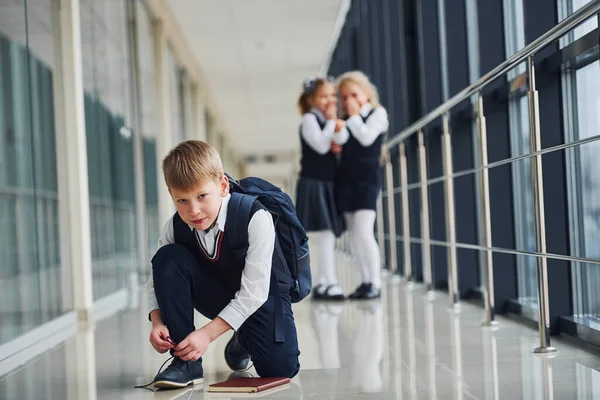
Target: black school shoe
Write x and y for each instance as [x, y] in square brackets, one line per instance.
[236, 357]
[371, 292]
[331, 297]
[180, 374]
[366, 291]
[359, 291]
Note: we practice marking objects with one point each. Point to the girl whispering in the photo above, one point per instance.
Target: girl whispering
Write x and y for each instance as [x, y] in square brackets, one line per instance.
[315, 202]
[358, 180]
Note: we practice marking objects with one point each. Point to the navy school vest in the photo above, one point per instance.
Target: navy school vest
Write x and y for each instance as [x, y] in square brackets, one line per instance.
[227, 263]
[315, 165]
[359, 163]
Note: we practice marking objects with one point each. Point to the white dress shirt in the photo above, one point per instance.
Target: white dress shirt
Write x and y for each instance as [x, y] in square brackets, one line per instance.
[256, 276]
[365, 133]
[319, 140]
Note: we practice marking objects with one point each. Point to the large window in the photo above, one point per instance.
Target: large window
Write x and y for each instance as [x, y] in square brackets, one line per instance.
[520, 145]
[581, 112]
[148, 121]
[566, 8]
[177, 78]
[186, 105]
[474, 74]
[585, 207]
[108, 117]
[30, 269]
[582, 120]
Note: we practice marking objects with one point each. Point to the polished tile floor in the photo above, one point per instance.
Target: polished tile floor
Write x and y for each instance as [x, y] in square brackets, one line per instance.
[402, 347]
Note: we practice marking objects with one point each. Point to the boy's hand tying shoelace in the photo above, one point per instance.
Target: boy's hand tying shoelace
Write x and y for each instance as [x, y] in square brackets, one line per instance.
[160, 340]
[193, 346]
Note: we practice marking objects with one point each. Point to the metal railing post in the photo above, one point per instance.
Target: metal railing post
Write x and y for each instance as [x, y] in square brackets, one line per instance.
[381, 231]
[405, 214]
[486, 220]
[450, 213]
[425, 235]
[539, 217]
[391, 208]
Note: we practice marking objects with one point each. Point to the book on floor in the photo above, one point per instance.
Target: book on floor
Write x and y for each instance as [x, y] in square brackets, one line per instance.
[247, 385]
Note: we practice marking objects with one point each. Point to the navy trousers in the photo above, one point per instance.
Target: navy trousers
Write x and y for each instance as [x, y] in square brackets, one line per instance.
[181, 285]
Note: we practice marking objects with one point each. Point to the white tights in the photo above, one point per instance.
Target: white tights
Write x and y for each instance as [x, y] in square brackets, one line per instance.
[360, 226]
[322, 246]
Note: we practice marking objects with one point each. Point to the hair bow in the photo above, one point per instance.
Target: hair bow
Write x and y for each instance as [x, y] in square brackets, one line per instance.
[308, 85]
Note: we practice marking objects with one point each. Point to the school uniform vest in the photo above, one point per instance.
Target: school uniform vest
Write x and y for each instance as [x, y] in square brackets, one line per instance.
[359, 163]
[227, 263]
[315, 165]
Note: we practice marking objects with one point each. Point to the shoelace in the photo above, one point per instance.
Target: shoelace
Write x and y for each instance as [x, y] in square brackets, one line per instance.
[159, 370]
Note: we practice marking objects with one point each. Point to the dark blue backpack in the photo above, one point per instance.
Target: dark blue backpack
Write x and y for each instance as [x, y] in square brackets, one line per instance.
[292, 243]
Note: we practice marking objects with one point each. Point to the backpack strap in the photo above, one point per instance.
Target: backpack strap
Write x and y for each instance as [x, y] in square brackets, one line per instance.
[234, 184]
[238, 218]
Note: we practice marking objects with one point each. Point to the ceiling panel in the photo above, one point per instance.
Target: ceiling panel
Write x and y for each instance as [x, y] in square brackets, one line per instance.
[255, 54]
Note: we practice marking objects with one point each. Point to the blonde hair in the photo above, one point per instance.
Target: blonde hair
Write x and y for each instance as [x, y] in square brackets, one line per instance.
[309, 91]
[362, 80]
[190, 163]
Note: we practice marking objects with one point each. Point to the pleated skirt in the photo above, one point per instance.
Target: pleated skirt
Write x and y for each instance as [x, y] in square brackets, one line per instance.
[316, 206]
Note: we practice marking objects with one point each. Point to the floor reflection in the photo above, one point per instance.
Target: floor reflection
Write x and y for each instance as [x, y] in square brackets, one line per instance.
[403, 346]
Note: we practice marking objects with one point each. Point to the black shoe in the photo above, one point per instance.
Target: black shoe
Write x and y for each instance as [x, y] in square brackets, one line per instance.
[371, 292]
[331, 297]
[180, 374]
[359, 291]
[236, 357]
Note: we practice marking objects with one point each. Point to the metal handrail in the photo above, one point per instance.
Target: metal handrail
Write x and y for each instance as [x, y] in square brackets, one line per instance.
[502, 250]
[495, 164]
[562, 28]
[525, 55]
